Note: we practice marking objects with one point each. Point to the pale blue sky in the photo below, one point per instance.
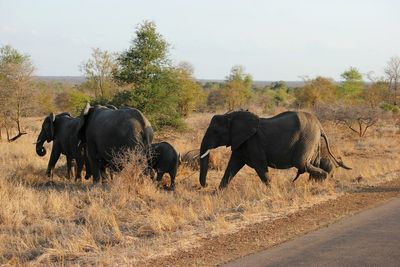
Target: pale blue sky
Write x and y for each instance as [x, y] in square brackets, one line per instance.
[274, 40]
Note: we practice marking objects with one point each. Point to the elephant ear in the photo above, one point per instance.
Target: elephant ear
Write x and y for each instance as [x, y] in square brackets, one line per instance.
[51, 119]
[244, 124]
[83, 118]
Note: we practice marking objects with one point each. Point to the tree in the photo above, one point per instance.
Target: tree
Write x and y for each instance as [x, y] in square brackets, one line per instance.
[236, 88]
[77, 101]
[392, 72]
[358, 117]
[375, 93]
[189, 93]
[215, 100]
[352, 85]
[146, 59]
[154, 84]
[98, 71]
[316, 91]
[16, 72]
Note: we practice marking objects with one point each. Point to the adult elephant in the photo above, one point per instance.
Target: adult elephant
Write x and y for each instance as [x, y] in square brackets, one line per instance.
[290, 139]
[106, 132]
[62, 129]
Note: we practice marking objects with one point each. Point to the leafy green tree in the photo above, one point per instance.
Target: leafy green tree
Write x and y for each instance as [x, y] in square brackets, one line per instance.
[146, 59]
[98, 71]
[189, 93]
[16, 90]
[316, 91]
[352, 86]
[237, 87]
[157, 100]
[77, 101]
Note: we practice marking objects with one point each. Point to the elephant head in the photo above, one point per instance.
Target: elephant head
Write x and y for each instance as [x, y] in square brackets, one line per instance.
[46, 134]
[231, 129]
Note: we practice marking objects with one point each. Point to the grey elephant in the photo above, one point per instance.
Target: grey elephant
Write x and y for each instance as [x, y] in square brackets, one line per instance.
[106, 132]
[191, 159]
[164, 159]
[326, 163]
[289, 139]
[62, 129]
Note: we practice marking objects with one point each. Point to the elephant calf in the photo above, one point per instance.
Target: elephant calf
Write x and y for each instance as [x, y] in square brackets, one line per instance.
[164, 159]
[326, 163]
[191, 159]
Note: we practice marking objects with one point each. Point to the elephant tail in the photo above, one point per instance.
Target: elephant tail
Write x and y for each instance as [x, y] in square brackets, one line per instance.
[339, 163]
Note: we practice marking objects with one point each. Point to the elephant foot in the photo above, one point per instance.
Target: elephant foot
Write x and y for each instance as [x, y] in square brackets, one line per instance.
[96, 181]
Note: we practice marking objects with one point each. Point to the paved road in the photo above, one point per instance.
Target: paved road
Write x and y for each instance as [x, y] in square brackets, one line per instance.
[370, 238]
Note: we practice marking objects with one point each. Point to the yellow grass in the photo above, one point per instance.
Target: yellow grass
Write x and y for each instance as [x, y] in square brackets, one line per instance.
[129, 220]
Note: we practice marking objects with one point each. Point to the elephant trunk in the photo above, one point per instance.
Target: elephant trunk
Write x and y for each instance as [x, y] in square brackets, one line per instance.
[204, 156]
[40, 150]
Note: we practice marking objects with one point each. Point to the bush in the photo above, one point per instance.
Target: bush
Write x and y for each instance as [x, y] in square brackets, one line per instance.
[390, 108]
[77, 101]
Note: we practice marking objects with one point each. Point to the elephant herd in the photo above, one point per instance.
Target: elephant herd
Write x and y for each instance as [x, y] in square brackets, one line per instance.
[100, 133]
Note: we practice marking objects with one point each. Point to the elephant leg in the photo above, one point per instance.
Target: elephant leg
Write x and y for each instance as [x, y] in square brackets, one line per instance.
[79, 167]
[234, 165]
[103, 172]
[159, 178]
[172, 174]
[95, 170]
[69, 167]
[316, 172]
[88, 169]
[55, 155]
[300, 171]
[263, 174]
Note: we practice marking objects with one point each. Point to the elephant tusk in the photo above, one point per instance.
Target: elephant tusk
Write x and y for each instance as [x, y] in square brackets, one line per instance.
[205, 154]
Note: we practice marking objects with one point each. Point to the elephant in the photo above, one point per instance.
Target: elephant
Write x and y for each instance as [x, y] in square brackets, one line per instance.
[107, 132]
[326, 163]
[62, 129]
[289, 139]
[164, 159]
[191, 159]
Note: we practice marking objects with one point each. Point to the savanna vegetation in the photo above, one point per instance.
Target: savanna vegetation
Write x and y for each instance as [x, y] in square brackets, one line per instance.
[130, 220]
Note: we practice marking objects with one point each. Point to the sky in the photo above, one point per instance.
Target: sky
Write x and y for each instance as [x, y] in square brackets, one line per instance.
[273, 40]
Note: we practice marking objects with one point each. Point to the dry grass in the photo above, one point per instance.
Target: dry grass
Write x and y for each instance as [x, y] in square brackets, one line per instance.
[130, 220]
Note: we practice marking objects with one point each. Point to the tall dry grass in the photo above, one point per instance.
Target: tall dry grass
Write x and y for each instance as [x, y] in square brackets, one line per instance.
[130, 220]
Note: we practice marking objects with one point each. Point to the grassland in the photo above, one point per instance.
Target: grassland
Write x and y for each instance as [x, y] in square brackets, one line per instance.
[129, 220]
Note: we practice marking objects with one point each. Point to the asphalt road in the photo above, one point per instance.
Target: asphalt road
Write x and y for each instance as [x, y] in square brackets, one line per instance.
[370, 238]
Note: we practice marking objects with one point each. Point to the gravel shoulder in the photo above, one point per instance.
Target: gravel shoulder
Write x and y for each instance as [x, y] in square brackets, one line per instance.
[260, 236]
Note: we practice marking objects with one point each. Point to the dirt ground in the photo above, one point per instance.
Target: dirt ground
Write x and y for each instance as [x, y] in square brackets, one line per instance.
[260, 236]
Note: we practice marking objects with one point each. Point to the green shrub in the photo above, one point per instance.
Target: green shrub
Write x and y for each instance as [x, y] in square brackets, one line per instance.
[77, 100]
[390, 108]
